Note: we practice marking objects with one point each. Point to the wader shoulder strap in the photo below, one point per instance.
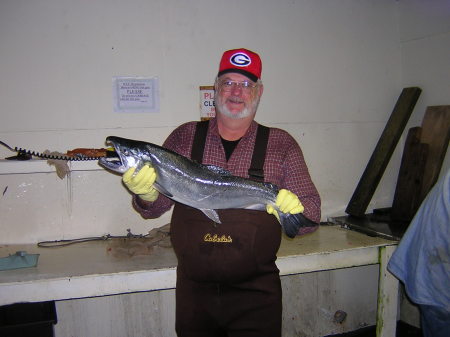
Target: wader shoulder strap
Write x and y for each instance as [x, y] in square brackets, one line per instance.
[198, 146]
[256, 170]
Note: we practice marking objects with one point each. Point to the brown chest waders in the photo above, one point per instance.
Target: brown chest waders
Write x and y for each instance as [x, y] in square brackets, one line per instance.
[227, 281]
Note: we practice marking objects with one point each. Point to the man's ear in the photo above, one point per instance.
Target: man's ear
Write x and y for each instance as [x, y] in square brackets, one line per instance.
[261, 89]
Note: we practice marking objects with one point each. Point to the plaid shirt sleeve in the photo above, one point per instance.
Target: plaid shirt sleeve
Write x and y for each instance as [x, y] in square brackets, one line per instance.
[285, 166]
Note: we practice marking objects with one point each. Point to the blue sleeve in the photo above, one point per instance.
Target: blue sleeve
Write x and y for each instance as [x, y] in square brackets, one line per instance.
[422, 258]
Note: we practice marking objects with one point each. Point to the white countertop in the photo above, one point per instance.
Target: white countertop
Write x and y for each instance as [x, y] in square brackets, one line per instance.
[41, 166]
[92, 269]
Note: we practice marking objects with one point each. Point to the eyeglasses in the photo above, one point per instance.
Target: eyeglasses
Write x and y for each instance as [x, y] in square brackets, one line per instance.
[228, 85]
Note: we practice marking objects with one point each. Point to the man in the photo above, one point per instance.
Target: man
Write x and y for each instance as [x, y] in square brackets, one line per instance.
[422, 260]
[227, 280]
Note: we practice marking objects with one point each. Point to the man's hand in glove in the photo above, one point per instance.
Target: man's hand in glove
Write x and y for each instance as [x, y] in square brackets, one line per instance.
[287, 202]
[141, 183]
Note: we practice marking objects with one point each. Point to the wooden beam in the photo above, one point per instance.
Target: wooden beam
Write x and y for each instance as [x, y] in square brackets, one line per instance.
[409, 182]
[383, 151]
[435, 133]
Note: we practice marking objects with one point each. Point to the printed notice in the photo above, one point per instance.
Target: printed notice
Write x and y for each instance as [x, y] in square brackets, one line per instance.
[207, 107]
[136, 94]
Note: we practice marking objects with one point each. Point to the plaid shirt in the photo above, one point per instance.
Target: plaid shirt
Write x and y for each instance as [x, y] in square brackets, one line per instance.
[284, 165]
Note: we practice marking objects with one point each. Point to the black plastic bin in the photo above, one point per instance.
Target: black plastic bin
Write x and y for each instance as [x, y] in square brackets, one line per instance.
[28, 319]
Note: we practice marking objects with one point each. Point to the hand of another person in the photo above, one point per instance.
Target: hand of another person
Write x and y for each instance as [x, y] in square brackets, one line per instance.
[141, 183]
[287, 202]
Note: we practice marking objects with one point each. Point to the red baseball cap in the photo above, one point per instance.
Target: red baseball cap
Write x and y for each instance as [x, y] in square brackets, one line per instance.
[241, 61]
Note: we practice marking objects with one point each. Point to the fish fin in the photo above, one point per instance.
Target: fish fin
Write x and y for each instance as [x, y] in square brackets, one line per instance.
[217, 170]
[212, 214]
[291, 223]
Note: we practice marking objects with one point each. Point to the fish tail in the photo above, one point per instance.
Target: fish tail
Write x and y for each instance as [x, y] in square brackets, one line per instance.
[291, 223]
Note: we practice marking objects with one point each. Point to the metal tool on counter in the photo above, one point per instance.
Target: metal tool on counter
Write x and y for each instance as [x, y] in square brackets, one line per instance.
[67, 242]
[20, 259]
[82, 155]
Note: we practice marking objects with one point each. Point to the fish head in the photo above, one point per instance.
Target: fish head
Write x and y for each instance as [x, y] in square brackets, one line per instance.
[130, 153]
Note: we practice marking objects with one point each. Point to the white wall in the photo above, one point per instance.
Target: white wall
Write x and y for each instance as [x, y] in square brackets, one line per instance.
[425, 40]
[332, 74]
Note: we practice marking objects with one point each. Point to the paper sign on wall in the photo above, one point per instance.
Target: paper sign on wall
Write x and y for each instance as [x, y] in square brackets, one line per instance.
[136, 94]
[207, 107]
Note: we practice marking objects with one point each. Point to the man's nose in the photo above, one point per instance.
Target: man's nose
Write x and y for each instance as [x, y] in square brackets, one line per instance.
[236, 88]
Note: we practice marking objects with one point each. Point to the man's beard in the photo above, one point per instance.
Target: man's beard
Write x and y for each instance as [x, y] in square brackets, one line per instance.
[246, 112]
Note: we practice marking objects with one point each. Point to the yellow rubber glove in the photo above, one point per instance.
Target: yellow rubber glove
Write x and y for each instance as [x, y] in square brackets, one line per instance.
[141, 183]
[287, 202]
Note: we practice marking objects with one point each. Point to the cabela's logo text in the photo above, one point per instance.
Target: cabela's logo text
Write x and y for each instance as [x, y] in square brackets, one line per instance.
[216, 238]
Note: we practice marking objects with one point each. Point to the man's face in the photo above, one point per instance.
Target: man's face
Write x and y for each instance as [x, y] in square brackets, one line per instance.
[237, 96]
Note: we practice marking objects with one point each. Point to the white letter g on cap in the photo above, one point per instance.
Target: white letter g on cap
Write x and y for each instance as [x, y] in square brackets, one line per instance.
[240, 60]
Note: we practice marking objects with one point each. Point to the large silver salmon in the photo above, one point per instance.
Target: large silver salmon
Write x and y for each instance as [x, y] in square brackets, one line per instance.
[204, 187]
